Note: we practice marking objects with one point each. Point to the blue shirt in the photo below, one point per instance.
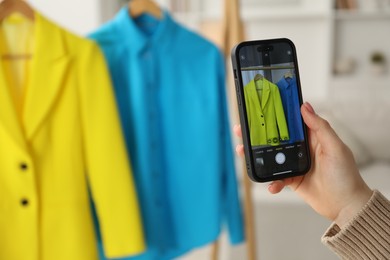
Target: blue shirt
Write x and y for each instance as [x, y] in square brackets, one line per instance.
[289, 93]
[170, 88]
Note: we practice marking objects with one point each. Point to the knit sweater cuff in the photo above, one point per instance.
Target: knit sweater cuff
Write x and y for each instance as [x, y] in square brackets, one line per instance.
[366, 236]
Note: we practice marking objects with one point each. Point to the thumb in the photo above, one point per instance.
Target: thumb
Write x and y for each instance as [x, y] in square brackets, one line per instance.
[324, 133]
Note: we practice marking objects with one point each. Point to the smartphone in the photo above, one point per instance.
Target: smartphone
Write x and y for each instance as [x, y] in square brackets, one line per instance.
[269, 98]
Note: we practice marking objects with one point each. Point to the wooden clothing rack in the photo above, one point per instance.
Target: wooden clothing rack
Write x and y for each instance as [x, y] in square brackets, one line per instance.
[233, 34]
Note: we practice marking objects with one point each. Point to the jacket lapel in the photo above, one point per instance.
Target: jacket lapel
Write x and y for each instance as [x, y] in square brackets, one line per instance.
[8, 118]
[253, 94]
[265, 93]
[46, 74]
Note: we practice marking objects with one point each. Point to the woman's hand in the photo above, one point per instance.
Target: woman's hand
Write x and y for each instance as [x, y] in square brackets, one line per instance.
[333, 187]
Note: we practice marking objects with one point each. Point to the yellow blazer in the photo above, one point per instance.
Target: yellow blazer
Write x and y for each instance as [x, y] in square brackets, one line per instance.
[67, 143]
[267, 122]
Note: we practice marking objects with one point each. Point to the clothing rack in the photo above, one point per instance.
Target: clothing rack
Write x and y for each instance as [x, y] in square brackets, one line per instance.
[267, 68]
[233, 33]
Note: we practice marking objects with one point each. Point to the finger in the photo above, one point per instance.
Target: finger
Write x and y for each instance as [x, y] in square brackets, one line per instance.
[276, 186]
[240, 149]
[237, 130]
[312, 139]
[288, 181]
[294, 182]
[318, 126]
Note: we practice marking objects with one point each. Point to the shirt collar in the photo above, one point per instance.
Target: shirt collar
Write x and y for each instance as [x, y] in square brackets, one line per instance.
[287, 82]
[283, 83]
[129, 31]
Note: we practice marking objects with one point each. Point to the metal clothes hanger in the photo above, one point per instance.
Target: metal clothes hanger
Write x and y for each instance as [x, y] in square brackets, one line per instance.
[8, 7]
[258, 77]
[139, 7]
[288, 74]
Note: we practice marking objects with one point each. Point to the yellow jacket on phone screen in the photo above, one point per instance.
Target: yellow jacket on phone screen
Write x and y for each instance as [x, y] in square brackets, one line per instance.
[61, 141]
[264, 108]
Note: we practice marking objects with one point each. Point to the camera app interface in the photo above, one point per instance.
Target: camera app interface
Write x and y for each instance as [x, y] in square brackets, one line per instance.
[272, 104]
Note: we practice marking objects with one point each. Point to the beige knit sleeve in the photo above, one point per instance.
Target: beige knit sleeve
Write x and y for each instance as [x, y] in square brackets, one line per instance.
[367, 236]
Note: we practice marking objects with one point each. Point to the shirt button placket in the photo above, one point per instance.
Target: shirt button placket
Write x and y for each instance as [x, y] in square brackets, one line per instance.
[155, 151]
[157, 166]
[153, 116]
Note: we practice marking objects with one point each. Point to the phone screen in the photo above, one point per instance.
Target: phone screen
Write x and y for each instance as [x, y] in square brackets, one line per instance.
[272, 95]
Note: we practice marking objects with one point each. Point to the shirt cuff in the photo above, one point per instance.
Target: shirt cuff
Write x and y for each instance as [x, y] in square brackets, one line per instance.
[366, 236]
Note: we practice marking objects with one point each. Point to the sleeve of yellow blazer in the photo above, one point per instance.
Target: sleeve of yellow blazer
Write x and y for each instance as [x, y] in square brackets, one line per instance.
[280, 117]
[108, 168]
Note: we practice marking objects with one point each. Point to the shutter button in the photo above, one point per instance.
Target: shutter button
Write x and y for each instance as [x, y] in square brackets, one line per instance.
[280, 158]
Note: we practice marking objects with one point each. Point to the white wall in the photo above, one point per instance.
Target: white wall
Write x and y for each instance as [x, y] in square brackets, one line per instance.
[311, 37]
[79, 16]
[309, 25]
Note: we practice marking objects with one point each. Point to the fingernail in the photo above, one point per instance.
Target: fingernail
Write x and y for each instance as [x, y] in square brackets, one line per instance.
[309, 108]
